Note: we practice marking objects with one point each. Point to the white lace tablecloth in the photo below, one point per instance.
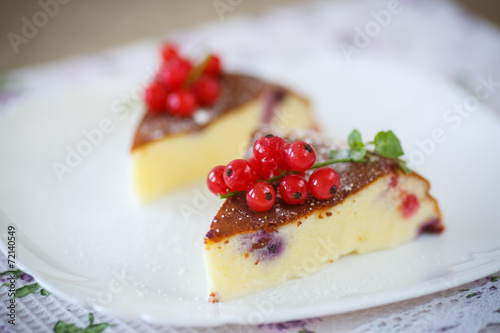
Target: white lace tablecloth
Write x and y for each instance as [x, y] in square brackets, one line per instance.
[433, 36]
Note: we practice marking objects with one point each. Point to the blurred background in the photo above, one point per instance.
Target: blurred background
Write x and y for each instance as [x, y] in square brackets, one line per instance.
[78, 27]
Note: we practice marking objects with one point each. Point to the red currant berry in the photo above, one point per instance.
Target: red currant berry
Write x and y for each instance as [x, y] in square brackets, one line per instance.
[300, 156]
[239, 174]
[181, 103]
[155, 96]
[215, 180]
[269, 150]
[324, 183]
[169, 52]
[294, 189]
[261, 196]
[174, 73]
[182, 63]
[171, 77]
[278, 173]
[213, 66]
[206, 90]
[301, 174]
[259, 169]
[281, 158]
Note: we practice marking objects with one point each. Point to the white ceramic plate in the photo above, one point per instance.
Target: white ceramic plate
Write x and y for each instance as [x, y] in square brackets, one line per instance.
[86, 239]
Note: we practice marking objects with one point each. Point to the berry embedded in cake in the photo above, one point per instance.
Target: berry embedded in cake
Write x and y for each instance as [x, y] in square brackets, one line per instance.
[199, 116]
[324, 201]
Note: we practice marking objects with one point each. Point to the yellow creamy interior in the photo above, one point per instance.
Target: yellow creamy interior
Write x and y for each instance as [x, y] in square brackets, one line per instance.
[166, 164]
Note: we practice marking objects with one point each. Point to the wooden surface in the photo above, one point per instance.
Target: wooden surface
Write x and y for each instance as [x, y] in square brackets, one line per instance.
[87, 26]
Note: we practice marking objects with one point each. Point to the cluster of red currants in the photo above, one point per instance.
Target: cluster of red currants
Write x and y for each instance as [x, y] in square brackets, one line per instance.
[179, 88]
[287, 162]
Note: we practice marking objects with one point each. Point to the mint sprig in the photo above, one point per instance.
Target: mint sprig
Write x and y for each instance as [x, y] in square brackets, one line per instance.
[386, 144]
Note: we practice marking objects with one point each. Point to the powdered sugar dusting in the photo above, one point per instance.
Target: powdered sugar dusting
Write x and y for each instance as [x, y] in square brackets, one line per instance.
[202, 116]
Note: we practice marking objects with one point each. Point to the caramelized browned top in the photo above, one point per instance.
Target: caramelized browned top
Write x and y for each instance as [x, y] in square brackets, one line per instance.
[236, 217]
[236, 90]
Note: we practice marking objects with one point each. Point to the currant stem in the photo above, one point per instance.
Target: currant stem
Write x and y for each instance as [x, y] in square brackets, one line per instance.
[197, 71]
[338, 160]
[278, 177]
[284, 174]
[229, 194]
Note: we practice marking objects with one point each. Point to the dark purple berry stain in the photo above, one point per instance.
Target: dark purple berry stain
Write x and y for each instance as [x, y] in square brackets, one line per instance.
[273, 100]
[264, 246]
[434, 225]
[210, 233]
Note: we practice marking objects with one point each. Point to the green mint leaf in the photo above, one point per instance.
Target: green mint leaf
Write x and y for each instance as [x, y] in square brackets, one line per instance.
[334, 154]
[348, 155]
[62, 327]
[91, 319]
[26, 290]
[354, 140]
[358, 155]
[404, 167]
[463, 289]
[495, 278]
[387, 144]
[44, 292]
[471, 295]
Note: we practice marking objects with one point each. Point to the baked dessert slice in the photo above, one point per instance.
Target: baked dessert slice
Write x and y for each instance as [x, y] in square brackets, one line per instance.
[169, 150]
[377, 206]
